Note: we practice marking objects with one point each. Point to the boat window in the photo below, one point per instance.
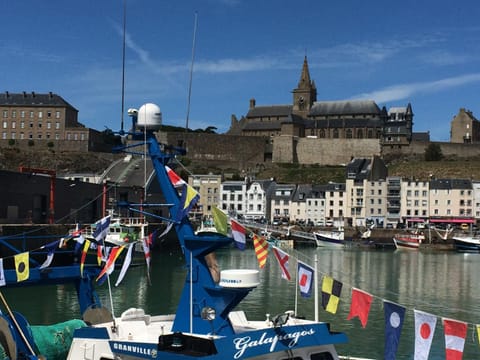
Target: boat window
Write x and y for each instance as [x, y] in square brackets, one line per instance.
[322, 356]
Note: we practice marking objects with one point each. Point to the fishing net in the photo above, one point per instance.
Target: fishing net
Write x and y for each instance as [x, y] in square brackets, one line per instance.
[53, 341]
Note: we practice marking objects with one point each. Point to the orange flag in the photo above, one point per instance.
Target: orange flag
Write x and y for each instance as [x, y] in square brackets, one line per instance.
[86, 246]
[261, 249]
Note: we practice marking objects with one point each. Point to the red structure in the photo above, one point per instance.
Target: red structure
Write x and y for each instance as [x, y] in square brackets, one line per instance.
[53, 175]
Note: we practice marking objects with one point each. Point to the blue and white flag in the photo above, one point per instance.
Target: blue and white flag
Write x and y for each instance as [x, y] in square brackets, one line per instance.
[305, 275]
[51, 250]
[394, 315]
[101, 228]
[3, 282]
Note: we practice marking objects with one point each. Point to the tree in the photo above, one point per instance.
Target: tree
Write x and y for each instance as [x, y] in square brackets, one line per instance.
[433, 152]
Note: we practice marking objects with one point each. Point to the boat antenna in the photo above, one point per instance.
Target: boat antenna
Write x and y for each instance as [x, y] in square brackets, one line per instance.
[191, 71]
[123, 61]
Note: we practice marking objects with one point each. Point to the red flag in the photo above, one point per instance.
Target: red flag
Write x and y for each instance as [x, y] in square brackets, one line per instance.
[176, 180]
[360, 306]
[261, 249]
[455, 334]
[282, 258]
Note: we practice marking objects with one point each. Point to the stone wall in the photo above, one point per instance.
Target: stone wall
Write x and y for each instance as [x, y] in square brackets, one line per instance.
[225, 150]
[448, 149]
[322, 151]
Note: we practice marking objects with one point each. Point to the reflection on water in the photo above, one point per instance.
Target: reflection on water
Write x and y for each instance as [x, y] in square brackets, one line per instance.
[441, 283]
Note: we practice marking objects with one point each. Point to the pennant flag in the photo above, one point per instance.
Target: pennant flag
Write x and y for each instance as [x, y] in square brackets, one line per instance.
[176, 180]
[282, 258]
[261, 249]
[455, 334]
[110, 265]
[79, 242]
[476, 326]
[101, 228]
[188, 200]
[152, 236]
[126, 264]
[394, 315]
[146, 251]
[22, 266]
[220, 220]
[305, 278]
[99, 254]
[51, 250]
[3, 282]
[424, 329]
[86, 246]
[239, 234]
[360, 306]
[331, 290]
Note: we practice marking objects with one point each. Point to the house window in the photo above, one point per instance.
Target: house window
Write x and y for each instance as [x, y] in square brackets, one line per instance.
[5, 113]
[40, 114]
[57, 125]
[57, 114]
[14, 113]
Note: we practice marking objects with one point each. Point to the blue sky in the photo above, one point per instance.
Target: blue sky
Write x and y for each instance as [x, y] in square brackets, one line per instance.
[393, 52]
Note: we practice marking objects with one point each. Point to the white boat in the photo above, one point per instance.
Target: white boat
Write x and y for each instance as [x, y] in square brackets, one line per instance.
[206, 323]
[467, 243]
[330, 238]
[408, 241]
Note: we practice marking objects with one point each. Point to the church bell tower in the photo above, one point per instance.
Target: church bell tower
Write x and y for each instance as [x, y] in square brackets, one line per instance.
[305, 94]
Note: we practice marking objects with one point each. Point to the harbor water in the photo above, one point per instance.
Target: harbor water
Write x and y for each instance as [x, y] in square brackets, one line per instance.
[443, 283]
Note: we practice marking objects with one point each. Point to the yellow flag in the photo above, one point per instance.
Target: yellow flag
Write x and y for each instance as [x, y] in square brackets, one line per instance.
[22, 266]
[478, 332]
[220, 220]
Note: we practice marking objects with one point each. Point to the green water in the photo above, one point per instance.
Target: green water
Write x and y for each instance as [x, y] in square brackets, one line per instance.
[442, 283]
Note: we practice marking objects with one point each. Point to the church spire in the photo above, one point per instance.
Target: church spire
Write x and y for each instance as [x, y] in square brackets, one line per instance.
[305, 81]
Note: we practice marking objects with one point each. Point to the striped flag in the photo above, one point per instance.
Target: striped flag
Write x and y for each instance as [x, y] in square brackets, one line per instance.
[126, 264]
[282, 258]
[239, 234]
[110, 265]
[455, 334]
[260, 245]
[86, 246]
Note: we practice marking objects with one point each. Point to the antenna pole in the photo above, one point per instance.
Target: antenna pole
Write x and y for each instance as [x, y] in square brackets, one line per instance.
[123, 60]
[191, 72]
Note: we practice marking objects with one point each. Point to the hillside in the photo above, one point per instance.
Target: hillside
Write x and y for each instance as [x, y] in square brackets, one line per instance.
[63, 162]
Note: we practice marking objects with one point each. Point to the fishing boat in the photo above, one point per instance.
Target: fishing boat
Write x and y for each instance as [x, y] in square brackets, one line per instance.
[330, 238]
[408, 241]
[206, 323]
[469, 243]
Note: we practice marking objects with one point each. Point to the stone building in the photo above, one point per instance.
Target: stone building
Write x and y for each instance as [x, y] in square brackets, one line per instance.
[307, 117]
[48, 117]
[465, 128]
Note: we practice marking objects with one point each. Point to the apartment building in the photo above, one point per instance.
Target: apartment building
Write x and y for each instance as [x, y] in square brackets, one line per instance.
[451, 198]
[415, 200]
[258, 199]
[208, 186]
[298, 203]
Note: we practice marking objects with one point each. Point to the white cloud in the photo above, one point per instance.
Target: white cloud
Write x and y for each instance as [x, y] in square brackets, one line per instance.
[403, 91]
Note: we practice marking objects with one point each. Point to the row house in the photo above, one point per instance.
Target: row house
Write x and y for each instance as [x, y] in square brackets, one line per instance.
[257, 199]
[233, 195]
[281, 201]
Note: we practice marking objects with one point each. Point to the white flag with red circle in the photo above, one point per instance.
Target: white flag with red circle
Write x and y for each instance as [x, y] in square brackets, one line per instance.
[424, 329]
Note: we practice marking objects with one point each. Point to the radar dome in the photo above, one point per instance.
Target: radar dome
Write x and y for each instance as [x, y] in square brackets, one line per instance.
[149, 117]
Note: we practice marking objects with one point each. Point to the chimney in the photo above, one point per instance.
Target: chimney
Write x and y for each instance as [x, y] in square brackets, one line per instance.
[7, 94]
[33, 93]
[50, 94]
[24, 94]
[252, 103]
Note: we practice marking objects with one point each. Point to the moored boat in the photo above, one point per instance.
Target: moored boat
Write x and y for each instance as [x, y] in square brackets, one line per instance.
[408, 241]
[467, 243]
[330, 238]
[205, 323]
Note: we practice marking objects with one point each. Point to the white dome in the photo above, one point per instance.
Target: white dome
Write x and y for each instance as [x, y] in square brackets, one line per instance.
[149, 117]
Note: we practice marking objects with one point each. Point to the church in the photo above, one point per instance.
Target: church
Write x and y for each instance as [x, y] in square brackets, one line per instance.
[308, 118]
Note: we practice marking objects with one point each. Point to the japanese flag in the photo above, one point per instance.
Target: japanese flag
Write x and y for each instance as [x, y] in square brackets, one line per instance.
[424, 330]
